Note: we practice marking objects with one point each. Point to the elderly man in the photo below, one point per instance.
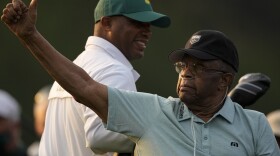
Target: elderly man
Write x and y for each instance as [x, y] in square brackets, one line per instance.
[203, 121]
[122, 30]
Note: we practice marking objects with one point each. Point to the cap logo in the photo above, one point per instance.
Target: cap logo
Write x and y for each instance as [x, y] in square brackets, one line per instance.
[147, 1]
[194, 39]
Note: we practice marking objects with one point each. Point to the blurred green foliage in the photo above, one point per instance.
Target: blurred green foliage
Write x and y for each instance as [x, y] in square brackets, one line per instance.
[252, 25]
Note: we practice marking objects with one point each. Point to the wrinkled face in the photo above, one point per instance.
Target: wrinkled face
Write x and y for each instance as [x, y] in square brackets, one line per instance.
[198, 81]
[129, 36]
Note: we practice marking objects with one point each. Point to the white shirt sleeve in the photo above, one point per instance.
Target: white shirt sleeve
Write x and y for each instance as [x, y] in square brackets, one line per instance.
[98, 138]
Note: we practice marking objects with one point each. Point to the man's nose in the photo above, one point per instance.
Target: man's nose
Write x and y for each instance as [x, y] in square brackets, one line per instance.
[186, 74]
[147, 29]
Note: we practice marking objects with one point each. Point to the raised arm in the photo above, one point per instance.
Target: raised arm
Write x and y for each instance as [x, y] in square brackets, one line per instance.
[21, 20]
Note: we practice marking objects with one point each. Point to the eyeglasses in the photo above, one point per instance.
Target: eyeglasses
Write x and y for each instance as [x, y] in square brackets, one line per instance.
[194, 68]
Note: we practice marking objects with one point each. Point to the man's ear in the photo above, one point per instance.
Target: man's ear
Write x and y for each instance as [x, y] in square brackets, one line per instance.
[226, 80]
[106, 22]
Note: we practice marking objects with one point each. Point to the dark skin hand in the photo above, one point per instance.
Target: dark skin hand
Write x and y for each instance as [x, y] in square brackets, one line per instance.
[21, 20]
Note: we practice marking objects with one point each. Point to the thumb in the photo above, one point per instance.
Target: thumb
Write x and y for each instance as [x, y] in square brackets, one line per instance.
[33, 10]
[33, 5]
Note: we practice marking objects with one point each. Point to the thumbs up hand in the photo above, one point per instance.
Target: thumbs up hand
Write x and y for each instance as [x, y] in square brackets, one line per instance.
[19, 18]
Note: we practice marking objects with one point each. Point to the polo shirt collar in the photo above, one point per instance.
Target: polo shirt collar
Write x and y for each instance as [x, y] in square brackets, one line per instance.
[111, 50]
[184, 113]
[227, 112]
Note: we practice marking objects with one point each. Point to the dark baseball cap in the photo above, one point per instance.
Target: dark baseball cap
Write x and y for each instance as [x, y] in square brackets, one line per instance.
[139, 10]
[209, 45]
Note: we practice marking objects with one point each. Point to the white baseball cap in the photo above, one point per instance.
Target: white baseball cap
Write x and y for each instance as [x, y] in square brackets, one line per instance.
[274, 121]
[9, 107]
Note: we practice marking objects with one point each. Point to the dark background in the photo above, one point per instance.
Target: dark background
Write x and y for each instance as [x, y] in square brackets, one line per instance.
[252, 25]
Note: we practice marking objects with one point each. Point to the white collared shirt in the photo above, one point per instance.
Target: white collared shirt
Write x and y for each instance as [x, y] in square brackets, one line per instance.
[72, 129]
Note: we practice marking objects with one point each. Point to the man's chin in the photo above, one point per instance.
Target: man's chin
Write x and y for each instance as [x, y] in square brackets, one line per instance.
[187, 98]
[139, 55]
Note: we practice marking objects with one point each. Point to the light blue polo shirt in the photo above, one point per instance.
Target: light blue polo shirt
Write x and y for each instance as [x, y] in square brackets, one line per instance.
[165, 127]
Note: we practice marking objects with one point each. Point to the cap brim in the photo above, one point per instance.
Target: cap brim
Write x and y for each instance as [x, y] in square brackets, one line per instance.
[178, 55]
[156, 19]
